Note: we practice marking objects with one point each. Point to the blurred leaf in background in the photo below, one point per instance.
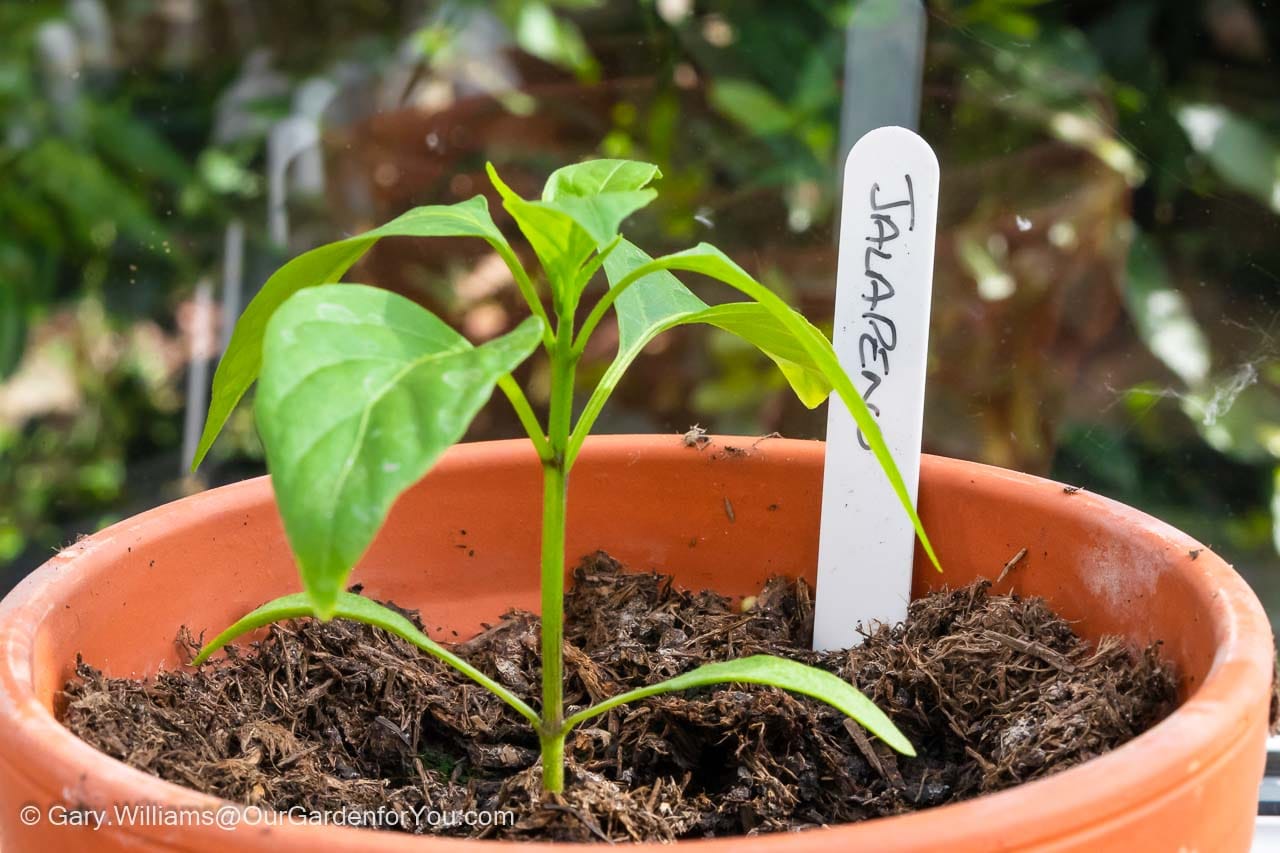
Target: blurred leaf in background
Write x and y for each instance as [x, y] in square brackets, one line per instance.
[1108, 268]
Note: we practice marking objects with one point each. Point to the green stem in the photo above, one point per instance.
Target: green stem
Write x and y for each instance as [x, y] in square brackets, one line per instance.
[596, 402]
[525, 413]
[555, 501]
[591, 267]
[554, 493]
[606, 300]
[553, 761]
[525, 285]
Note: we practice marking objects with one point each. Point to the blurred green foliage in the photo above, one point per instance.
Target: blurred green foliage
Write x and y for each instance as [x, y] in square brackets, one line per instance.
[1108, 277]
[79, 177]
[88, 189]
[1177, 102]
[101, 395]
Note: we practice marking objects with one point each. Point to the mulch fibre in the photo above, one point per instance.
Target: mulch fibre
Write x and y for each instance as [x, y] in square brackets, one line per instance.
[993, 691]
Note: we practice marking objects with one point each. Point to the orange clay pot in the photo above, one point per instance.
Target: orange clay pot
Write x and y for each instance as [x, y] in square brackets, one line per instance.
[463, 547]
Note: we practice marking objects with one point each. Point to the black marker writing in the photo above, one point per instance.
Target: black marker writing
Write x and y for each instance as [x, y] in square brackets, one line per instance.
[880, 335]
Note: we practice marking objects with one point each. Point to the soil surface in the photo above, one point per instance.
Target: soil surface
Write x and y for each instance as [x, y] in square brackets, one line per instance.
[992, 690]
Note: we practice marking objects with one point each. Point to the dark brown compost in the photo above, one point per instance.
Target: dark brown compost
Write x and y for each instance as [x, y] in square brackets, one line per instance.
[992, 690]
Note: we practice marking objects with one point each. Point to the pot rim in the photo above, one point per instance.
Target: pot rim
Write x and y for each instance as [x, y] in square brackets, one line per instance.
[1193, 737]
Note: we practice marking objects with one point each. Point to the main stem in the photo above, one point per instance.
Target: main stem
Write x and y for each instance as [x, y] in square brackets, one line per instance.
[555, 494]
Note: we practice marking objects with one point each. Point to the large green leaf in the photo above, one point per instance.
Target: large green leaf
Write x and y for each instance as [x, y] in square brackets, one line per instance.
[356, 607]
[653, 303]
[775, 672]
[361, 391]
[240, 364]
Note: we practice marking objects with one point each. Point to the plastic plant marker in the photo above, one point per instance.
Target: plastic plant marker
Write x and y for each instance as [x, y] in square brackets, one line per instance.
[884, 286]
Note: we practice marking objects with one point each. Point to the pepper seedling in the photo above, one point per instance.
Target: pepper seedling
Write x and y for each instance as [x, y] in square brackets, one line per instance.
[361, 390]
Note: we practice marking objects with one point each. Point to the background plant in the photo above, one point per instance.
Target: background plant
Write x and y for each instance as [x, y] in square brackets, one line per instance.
[361, 391]
[1086, 123]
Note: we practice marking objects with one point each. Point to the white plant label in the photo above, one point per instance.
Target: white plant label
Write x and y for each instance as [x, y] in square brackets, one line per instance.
[884, 285]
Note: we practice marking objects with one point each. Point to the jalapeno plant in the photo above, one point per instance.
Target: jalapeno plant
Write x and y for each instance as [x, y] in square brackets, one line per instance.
[361, 390]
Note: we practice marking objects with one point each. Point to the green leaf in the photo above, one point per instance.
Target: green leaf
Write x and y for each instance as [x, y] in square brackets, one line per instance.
[361, 391]
[360, 609]
[652, 303]
[774, 672]
[1243, 154]
[560, 243]
[601, 215]
[756, 324]
[659, 302]
[593, 177]
[752, 106]
[239, 366]
[555, 39]
[1162, 315]
[85, 191]
[135, 146]
[565, 229]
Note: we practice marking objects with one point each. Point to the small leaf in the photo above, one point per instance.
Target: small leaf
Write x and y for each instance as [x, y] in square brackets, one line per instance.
[566, 229]
[555, 39]
[560, 243]
[649, 303]
[593, 177]
[292, 606]
[601, 215]
[774, 672]
[360, 609]
[361, 391]
[752, 106]
[659, 302]
[239, 366]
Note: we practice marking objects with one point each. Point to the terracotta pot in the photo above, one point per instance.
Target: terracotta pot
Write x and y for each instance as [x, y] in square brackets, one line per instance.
[118, 597]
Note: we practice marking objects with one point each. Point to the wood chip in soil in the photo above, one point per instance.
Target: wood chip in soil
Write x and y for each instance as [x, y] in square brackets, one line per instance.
[993, 691]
